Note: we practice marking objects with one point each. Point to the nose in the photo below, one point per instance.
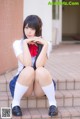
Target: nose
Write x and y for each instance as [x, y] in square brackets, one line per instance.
[29, 31]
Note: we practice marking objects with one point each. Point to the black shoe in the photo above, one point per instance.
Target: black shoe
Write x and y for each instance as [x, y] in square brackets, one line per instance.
[53, 110]
[16, 111]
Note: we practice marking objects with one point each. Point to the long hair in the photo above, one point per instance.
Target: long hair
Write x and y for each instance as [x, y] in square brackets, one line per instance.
[33, 21]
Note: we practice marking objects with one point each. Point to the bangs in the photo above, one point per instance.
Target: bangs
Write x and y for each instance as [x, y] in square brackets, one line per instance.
[33, 22]
[31, 25]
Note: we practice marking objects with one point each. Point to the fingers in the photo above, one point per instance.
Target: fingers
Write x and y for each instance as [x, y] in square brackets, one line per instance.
[35, 40]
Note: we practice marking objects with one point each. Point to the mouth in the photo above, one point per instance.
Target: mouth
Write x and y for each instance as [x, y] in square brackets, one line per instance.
[29, 36]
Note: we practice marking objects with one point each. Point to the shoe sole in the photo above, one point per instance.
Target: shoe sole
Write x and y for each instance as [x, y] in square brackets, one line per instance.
[54, 114]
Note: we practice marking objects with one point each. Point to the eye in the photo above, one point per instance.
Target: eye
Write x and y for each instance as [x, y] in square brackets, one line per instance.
[26, 27]
[33, 28]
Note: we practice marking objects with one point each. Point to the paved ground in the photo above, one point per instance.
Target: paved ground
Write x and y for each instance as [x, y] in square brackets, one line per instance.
[64, 62]
[64, 65]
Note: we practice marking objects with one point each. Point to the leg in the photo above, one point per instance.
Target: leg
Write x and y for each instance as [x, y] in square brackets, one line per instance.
[38, 89]
[43, 79]
[40, 81]
[27, 78]
[24, 85]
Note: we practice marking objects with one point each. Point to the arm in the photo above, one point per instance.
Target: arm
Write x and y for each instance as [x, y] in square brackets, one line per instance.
[42, 58]
[25, 57]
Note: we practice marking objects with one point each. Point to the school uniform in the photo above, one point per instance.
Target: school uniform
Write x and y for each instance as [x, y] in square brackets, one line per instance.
[18, 49]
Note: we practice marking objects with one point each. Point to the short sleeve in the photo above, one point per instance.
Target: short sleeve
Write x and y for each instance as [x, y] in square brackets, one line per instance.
[17, 47]
[49, 49]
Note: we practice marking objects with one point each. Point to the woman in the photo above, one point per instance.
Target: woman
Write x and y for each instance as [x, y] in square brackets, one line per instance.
[32, 53]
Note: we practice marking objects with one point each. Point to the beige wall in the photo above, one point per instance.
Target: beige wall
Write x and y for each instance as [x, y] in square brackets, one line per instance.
[71, 20]
[44, 11]
[11, 18]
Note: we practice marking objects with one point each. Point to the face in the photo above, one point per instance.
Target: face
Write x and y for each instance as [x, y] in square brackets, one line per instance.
[29, 32]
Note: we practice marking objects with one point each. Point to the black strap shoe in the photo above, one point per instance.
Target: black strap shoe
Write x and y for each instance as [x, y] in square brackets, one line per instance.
[53, 110]
[16, 111]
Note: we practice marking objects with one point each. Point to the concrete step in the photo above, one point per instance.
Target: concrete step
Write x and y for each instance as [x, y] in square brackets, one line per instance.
[42, 113]
[61, 83]
[64, 99]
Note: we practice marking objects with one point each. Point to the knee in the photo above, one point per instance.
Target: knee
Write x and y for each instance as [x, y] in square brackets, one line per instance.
[27, 72]
[26, 76]
[41, 72]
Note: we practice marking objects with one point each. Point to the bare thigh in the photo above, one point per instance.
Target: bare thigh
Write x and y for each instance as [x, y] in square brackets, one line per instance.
[27, 79]
[42, 78]
[29, 91]
[38, 90]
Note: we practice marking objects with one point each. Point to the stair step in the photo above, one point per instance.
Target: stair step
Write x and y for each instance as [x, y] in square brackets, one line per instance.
[64, 99]
[42, 113]
[61, 82]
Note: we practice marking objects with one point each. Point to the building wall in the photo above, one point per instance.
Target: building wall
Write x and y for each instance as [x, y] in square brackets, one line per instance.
[70, 20]
[11, 19]
[44, 11]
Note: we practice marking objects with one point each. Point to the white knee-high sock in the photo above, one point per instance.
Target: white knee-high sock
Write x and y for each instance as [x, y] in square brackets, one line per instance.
[50, 93]
[18, 93]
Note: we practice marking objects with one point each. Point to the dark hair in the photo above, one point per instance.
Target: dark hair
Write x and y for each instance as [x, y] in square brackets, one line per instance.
[34, 22]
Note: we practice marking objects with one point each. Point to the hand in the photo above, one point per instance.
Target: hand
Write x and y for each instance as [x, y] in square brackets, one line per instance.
[29, 41]
[40, 40]
[35, 40]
